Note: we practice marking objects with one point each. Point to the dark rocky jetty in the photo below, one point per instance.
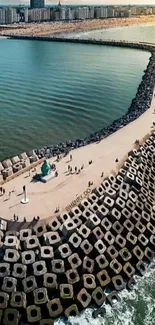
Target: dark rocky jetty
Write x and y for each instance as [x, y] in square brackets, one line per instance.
[83, 257]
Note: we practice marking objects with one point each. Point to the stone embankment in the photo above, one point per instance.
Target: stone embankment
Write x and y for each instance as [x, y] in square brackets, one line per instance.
[84, 257]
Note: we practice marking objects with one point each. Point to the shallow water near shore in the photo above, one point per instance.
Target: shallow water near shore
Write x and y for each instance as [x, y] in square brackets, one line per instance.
[51, 92]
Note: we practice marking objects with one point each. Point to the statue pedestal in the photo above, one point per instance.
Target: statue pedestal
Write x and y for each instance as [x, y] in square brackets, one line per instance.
[48, 177]
[24, 201]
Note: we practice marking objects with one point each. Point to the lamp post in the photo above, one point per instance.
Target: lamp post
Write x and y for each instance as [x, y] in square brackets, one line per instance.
[25, 200]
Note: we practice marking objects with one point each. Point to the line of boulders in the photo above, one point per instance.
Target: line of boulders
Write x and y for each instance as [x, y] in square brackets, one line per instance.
[139, 105]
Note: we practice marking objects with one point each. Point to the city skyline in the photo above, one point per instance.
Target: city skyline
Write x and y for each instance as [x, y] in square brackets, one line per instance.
[83, 2]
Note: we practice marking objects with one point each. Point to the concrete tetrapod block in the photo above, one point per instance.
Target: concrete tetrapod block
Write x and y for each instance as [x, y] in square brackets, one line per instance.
[102, 212]
[66, 291]
[4, 300]
[24, 233]
[9, 284]
[99, 247]
[106, 224]
[88, 265]
[74, 261]
[109, 238]
[137, 254]
[50, 281]
[46, 253]
[53, 239]
[129, 270]
[115, 267]
[71, 311]
[120, 242]
[58, 266]
[75, 240]
[28, 257]
[124, 255]
[113, 298]
[142, 241]
[101, 262]
[98, 296]
[54, 307]
[29, 284]
[149, 254]
[33, 314]
[18, 300]
[19, 271]
[64, 251]
[68, 228]
[39, 268]
[89, 282]
[83, 298]
[46, 321]
[11, 255]
[40, 296]
[4, 270]
[131, 240]
[11, 317]
[141, 268]
[118, 282]
[31, 242]
[86, 247]
[103, 278]
[39, 229]
[72, 276]
[84, 231]
[93, 221]
[11, 242]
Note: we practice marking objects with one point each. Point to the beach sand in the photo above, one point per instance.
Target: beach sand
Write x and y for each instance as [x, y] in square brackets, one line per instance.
[62, 190]
[53, 28]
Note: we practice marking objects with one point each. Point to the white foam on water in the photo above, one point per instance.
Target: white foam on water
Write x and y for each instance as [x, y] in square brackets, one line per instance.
[137, 307]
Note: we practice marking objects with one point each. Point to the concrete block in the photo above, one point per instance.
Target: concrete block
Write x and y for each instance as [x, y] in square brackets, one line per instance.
[4, 270]
[135, 217]
[123, 195]
[111, 253]
[33, 159]
[76, 212]
[115, 267]
[141, 268]
[66, 291]
[83, 298]
[144, 191]
[141, 198]
[11, 242]
[128, 270]
[11, 255]
[74, 261]
[150, 230]
[50, 281]
[9, 284]
[92, 198]
[124, 255]
[130, 205]
[88, 265]
[58, 266]
[24, 233]
[117, 228]
[120, 242]
[139, 228]
[28, 257]
[147, 207]
[120, 204]
[109, 238]
[106, 184]
[111, 193]
[150, 200]
[101, 262]
[118, 282]
[39, 268]
[94, 208]
[11, 317]
[149, 254]
[98, 296]
[133, 196]
[85, 204]
[126, 213]
[122, 172]
[108, 202]
[126, 165]
[29, 284]
[4, 300]
[71, 311]
[84, 231]
[31, 242]
[106, 225]
[137, 254]
[54, 307]
[131, 283]
[99, 246]
[96, 234]
[119, 179]
[72, 276]
[89, 282]
[46, 321]
[75, 240]
[39, 229]
[40, 296]
[93, 221]
[46, 253]
[131, 240]
[7, 163]
[139, 206]
[102, 212]
[77, 221]
[129, 178]
[86, 215]
[128, 225]
[18, 300]
[113, 298]
[99, 191]
[12, 233]
[53, 239]
[86, 247]
[115, 187]
[64, 216]
[142, 241]
[19, 271]
[17, 167]
[132, 170]
[68, 228]
[64, 251]
[23, 156]
[103, 278]
[33, 314]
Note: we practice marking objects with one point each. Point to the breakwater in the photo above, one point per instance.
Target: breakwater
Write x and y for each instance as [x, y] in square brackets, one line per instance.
[83, 257]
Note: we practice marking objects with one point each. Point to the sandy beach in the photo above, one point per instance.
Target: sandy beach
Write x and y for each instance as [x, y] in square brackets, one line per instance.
[62, 190]
[53, 28]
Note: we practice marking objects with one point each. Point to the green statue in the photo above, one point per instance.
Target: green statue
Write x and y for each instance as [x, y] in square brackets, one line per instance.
[45, 168]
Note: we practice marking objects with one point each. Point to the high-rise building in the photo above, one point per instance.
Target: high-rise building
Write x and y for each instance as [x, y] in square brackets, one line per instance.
[37, 4]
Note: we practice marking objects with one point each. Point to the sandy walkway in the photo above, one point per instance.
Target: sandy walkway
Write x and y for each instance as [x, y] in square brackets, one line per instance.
[61, 191]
